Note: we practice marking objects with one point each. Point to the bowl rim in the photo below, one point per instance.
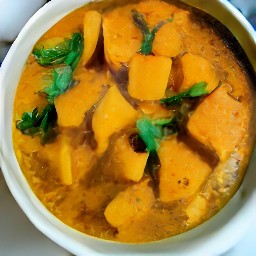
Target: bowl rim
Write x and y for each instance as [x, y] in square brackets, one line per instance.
[44, 220]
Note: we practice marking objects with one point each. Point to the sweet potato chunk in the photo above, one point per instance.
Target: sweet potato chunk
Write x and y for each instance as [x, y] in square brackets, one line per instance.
[129, 204]
[112, 115]
[92, 26]
[220, 122]
[132, 163]
[86, 93]
[148, 76]
[196, 69]
[168, 41]
[59, 155]
[182, 170]
[122, 39]
[156, 11]
[196, 210]
[82, 159]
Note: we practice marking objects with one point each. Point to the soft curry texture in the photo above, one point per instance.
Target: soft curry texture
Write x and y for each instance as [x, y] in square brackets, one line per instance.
[97, 175]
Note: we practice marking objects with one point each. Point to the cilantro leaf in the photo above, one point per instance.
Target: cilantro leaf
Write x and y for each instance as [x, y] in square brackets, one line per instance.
[197, 90]
[40, 124]
[62, 81]
[149, 133]
[67, 52]
[152, 131]
[148, 35]
[169, 126]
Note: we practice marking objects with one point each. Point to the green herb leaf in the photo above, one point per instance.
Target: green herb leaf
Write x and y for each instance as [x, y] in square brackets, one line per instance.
[148, 35]
[149, 133]
[62, 81]
[196, 90]
[40, 124]
[169, 126]
[52, 56]
[152, 131]
[68, 52]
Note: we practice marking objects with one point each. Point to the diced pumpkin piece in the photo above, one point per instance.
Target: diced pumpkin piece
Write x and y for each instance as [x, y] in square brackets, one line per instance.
[113, 114]
[220, 122]
[59, 154]
[132, 163]
[82, 161]
[197, 69]
[92, 27]
[122, 39]
[196, 210]
[86, 93]
[155, 11]
[148, 76]
[182, 170]
[168, 41]
[129, 204]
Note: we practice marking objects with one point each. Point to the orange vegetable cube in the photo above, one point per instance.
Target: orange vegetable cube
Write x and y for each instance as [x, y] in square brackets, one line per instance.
[196, 210]
[168, 41]
[148, 76]
[86, 93]
[220, 122]
[182, 170]
[122, 39]
[113, 114]
[197, 69]
[132, 163]
[59, 155]
[129, 204]
[92, 27]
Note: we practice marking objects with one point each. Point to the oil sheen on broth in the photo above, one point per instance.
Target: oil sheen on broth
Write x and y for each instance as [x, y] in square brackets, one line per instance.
[132, 121]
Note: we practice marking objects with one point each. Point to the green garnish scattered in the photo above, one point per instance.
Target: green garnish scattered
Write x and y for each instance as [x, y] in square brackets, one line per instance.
[152, 131]
[196, 90]
[148, 35]
[62, 81]
[67, 52]
[40, 124]
[149, 133]
[169, 126]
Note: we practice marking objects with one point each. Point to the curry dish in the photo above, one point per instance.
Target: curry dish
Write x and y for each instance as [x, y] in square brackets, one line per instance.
[133, 119]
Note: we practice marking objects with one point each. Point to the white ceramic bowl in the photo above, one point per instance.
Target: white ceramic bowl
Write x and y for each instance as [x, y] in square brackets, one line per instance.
[213, 237]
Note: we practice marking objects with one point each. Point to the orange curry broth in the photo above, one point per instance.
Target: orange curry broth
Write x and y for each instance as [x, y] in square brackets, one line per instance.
[104, 191]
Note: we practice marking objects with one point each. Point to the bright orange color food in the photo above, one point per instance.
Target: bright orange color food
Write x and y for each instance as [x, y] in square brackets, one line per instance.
[96, 174]
[113, 114]
[92, 30]
[148, 76]
[178, 178]
[220, 110]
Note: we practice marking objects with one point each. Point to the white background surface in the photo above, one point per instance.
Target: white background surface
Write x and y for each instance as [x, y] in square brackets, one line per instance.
[18, 237]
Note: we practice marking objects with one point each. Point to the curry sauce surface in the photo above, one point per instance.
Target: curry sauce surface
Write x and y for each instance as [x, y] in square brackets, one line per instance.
[93, 188]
